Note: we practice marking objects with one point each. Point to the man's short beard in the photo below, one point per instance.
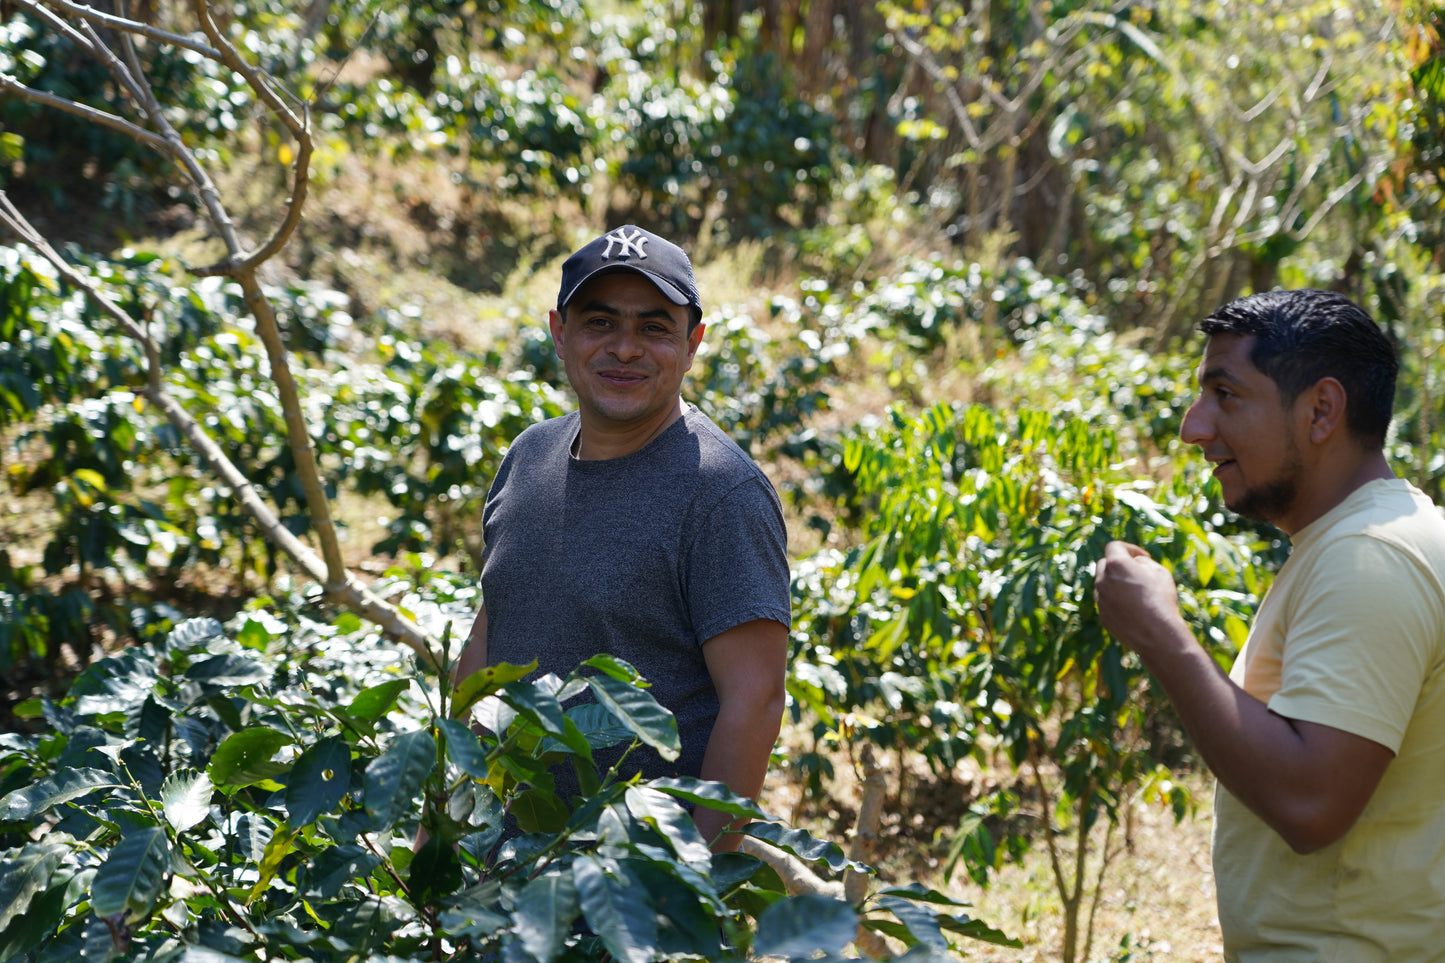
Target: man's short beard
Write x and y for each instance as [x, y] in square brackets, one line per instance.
[1272, 500]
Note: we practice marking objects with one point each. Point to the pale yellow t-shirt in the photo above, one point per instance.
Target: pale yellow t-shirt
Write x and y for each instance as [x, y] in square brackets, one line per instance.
[1350, 635]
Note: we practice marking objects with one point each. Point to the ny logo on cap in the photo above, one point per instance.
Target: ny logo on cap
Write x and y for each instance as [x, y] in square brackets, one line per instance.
[626, 245]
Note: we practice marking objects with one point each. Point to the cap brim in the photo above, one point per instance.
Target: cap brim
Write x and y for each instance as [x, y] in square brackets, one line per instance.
[668, 289]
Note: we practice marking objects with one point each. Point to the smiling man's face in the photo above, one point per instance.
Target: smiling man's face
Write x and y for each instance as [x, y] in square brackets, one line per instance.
[1244, 428]
[625, 348]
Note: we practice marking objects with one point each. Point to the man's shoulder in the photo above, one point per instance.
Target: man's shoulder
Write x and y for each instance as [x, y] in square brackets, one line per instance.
[1392, 512]
[720, 454]
[545, 433]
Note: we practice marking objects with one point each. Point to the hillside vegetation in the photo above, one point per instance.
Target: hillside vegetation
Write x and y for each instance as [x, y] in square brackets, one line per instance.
[273, 289]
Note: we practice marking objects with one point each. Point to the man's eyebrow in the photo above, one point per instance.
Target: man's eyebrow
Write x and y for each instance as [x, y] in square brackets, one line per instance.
[598, 306]
[1217, 373]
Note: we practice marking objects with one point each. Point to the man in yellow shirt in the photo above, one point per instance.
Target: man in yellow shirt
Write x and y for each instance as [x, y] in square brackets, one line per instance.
[1328, 736]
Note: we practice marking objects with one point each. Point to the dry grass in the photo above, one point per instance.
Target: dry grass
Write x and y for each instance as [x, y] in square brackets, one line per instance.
[1157, 901]
[1157, 898]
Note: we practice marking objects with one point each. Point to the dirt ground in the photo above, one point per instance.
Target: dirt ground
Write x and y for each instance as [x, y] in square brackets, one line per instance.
[1156, 902]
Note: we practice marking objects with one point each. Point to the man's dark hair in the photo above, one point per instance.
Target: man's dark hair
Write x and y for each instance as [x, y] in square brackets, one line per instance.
[1305, 335]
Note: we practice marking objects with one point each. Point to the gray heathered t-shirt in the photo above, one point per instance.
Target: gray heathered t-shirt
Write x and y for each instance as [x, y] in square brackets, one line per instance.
[644, 557]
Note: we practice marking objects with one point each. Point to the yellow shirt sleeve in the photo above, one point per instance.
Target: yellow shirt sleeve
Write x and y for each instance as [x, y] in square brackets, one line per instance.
[1361, 640]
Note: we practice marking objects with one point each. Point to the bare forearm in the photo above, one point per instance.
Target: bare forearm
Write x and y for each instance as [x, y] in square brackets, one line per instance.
[737, 756]
[1290, 774]
[473, 657]
[748, 666]
[1308, 782]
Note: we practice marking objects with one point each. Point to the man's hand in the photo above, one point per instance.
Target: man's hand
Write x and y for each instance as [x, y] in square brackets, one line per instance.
[1137, 599]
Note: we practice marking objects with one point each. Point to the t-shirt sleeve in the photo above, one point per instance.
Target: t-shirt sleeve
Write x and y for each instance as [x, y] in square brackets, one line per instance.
[1360, 642]
[737, 568]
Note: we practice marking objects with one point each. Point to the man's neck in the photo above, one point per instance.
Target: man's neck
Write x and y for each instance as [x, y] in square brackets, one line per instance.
[1330, 490]
[596, 443]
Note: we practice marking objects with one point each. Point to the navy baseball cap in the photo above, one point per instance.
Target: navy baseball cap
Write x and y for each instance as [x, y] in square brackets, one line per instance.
[631, 248]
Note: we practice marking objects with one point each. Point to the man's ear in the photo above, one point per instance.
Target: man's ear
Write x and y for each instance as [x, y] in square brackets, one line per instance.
[1327, 403]
[694, 340]
[554, 322]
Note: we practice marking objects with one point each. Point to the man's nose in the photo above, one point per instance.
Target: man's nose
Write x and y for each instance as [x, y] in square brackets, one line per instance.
[625, 345]
[1196, 428]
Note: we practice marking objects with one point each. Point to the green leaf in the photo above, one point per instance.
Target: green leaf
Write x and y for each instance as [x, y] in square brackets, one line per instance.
[254, 635]
[619, 669]
[476, 912]
[335, 866]
[63, 786]
[394, 778]
[976, 930]
[318, 782]
[186, 799]
[544, 912]
[670, 820]
[39, 923]
[243, 758]
[618, 913]
[277, 850]
[598, 727]
[464, 749]
[132, 876]
[229, 670]
[375, 701]
[639, 712]
[537, 705]
[539, 811]
[922, 924]
[922, 953]
[800, 926]
[580, 742]
[805, 846]
[922, 894]
[193, 631]
[253, 834]
[484, 682]
[23, 876]
[705, 792]
[435, 871]
[730, 870]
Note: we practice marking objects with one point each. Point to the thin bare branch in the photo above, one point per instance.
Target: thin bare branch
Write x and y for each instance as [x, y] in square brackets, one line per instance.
[20, 226]
[298, 435]
[260, 83]
[104, 119]
[122, 25]
[129, 76]
[1253, 113]
[1313, 91]
[1256, 168]
[328, 568]
[1191, 96]
[924, 59]
[347, 588]
[57, 22]
[300, 179]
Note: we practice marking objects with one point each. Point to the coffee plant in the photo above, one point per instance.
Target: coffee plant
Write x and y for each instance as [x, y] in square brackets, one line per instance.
[260, 793]
[963, 625]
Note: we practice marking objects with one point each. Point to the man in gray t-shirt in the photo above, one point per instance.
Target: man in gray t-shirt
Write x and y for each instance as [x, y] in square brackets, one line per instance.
[634, 527]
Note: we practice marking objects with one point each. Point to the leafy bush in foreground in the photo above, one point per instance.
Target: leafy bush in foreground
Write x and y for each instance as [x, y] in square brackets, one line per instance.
[219, 798]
